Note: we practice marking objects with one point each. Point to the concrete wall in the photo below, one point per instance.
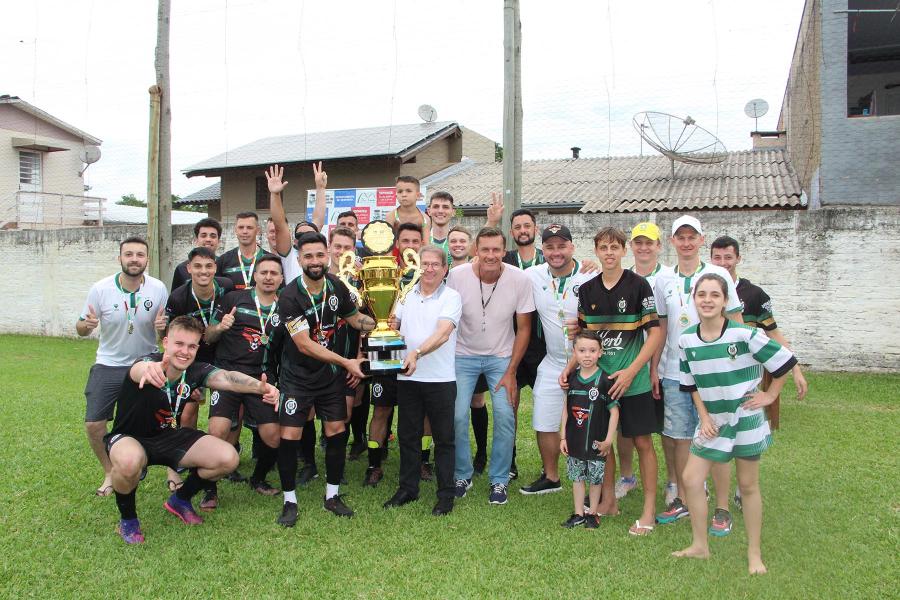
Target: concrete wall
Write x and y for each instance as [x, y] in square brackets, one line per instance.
[833, 274]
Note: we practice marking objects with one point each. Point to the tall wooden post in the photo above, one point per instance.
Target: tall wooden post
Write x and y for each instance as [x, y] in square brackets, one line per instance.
[165, 141]
[512, 112]
[153, 184]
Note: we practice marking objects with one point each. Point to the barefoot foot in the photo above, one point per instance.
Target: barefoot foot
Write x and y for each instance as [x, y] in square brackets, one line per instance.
[756, 566]
[692, 552]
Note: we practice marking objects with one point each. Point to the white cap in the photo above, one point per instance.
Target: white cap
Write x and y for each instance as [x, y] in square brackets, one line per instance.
[687, 220]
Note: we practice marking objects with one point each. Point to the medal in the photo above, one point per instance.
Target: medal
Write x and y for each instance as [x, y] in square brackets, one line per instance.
[180, 394]
[264, 339]
[320, 336]
[130, 327]
[560, 298]
[247, 275]
[132, 299]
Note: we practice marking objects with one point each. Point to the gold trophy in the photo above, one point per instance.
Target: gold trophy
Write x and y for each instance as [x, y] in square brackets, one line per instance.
[383, 284]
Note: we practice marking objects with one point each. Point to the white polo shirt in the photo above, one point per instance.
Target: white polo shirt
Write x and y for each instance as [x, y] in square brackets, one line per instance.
[419, 316]
[116, 308]
[552, 295]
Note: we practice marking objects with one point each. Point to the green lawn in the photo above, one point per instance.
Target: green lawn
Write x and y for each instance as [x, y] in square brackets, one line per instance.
[830, 486]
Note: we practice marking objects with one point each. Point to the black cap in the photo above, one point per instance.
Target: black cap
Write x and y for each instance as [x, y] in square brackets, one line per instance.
[556, 230]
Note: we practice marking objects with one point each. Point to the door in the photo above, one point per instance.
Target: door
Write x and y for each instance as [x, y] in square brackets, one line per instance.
[31, 209]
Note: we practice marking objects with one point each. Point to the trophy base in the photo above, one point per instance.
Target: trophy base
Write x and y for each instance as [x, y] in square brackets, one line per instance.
[386, 344]
[378, 366]
[385, 356]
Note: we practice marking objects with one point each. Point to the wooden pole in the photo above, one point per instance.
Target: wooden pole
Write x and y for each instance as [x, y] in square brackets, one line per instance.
[153, 184]
[165, 142]
[512, 112]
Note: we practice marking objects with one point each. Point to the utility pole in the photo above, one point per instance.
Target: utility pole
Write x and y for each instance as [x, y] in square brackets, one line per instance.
[159, 171]
[512, 112]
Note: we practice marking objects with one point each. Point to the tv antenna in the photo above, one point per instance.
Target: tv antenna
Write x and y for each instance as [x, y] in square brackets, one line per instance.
[427, 113]
[755, 109]
[89, 156]
[679, 139]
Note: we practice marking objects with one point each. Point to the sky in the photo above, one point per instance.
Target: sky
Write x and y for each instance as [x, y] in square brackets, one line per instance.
[247, 69]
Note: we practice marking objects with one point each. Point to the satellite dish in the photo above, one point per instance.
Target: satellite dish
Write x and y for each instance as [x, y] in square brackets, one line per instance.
[679, 139]
[427, 113]
[755, 109]
[90, 155]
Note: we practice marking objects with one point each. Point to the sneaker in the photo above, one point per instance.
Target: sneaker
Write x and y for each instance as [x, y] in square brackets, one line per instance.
[463, 486]
[263, 488]
[130, 530]
[591, 521]
[306, 474]
[573, 521]
[498, 494]
[480, 463]
[210, 501]
[721, 523]
[676, 510]
[427, 472]
[541, 485]
[373, 476]
[288, 515]
[236, 477]
[671, 492]
[183, 510]
[337, 506]
[356, 450]
[625, 485]
[513, 471]
[738, 503]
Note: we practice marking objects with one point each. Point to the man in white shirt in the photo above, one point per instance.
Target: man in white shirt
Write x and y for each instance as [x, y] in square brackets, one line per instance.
[130, 308]
[493, 293]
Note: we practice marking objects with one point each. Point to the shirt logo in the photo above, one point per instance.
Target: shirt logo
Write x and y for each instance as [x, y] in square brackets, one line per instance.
[290, 407]
[732, 351]
[183, 390]
[377, 390]
[148, 304]
[593, 394]
[275, 320]
[214, 398]
[333, 303]
[575, 289]
[622, 305]
[580, 415]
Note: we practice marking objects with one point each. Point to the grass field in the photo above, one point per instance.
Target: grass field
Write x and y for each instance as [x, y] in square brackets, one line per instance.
[830, 487]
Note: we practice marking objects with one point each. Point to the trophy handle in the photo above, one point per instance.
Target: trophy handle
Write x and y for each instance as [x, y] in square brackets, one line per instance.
[346, 270]
[411, 259]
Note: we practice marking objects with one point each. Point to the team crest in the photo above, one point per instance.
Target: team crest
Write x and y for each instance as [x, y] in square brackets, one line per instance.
[276, 321]
[148, 304]
[115, 307]
[377, 390]
[554, 229]
[183, 390]
[290, 407]
[575, 289]
[580, 415]
[333, 303]
[732, 351]
[214, 398]
[622, 305]
[593, 394]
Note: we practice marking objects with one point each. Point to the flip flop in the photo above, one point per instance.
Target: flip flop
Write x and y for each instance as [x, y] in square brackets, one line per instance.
[640, 530]
[104, 491]
[173, 485]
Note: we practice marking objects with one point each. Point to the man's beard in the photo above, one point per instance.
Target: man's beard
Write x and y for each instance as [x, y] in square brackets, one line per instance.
[315, 276]
[526, 242]
[126, 270]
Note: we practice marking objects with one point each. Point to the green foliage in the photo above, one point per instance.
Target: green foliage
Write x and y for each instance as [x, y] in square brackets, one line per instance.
[131, 200]
[498, 152]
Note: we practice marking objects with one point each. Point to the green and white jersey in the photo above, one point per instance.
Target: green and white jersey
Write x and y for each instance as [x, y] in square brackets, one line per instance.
[725, 372]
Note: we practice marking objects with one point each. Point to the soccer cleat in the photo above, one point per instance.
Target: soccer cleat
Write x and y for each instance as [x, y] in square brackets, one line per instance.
[721, 523]
[263, 488]
[337, 506]
[573, 521]
[676, 510]
[591, 521]
[373, 476]
[427, 472]
[288, 515]
[463, 486]
[671, 492]
[183, 510]
[498, 494]
[625, 485]
[443, 507]
[130, 530]
[210, 501]
[479, 463]
[236, 477]
[541, 485]
[307, 473]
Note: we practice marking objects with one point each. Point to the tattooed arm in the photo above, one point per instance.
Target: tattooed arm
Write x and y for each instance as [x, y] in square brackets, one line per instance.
[362, 322]
[234, 381]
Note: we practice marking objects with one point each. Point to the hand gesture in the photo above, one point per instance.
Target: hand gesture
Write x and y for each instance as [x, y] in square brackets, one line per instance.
[155, 373]
[269, 392]
[91, 321]
[564, 446]
[228, 320]
[274, 177]
[161, 320]
[758, 400]
[320, 176]
[495, 209]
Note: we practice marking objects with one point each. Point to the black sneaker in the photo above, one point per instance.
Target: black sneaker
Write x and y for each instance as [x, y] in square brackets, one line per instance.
[337, 506]
[427, 472]
[373, 476]
[498, 494]
[288, 515]
[573, 521]
[306, 474]
[263, 488]
[591, 521]
[236, 477]
[443, 507]
[400, 498]
[479, 463]
[513, 471]
[541, 485]
[463, 486]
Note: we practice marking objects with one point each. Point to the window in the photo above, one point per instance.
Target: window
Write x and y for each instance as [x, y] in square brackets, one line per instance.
[262, 193]
[29, 171]
[873, 58]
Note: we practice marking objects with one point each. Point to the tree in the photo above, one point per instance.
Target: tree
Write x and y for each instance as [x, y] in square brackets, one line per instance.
[498, 152]
[131, 200]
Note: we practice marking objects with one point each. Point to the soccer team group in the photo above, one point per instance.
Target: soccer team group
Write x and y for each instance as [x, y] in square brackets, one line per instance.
[270, 340]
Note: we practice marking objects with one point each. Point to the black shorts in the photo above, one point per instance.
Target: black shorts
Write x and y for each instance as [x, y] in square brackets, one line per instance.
[526, 374]
[228, 405]
[294, 410]
[481, 386]
[167, 448]
[384, 391]
[638, 415]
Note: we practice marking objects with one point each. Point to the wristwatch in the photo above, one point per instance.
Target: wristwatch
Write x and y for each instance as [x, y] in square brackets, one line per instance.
[418, 353]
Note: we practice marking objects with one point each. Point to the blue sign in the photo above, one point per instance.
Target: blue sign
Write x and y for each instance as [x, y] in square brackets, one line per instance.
[344, 198]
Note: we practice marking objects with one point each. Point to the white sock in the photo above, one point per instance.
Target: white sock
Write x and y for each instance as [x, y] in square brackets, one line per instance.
[290, 496]
[331, 491]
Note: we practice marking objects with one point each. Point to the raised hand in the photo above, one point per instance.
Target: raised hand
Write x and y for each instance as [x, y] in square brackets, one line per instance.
[91, 321]
[155, 373]
[228, 320]
[274, 177]
[320, 176]
[495, 209]
[161, 320]
[269, 392]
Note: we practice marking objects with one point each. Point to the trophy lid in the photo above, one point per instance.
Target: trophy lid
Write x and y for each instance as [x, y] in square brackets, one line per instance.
[378, 237]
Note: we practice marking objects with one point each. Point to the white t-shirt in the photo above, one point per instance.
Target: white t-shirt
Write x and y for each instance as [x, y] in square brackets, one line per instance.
[290, 266]
[675, 302]
[419, 316]
[488, 331]
[549, 299]
[115, 308]
[651, 279]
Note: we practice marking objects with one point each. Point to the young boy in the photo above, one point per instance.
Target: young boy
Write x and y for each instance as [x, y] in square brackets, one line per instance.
[406, 211]
[589, 423]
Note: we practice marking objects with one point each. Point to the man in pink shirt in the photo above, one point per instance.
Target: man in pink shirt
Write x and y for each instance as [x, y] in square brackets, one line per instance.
[492, 294]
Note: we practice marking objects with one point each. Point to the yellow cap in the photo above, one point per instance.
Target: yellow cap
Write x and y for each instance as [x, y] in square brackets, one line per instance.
[646, 229]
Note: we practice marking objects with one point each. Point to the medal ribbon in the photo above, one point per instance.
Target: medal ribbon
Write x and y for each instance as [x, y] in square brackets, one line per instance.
[560, 301]
[173, 422]
[319, 318]
[132, 299]
[262, 323]
[247, 276]
[212, 303]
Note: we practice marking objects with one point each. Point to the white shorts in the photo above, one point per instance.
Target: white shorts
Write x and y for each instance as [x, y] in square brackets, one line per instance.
[549, 398]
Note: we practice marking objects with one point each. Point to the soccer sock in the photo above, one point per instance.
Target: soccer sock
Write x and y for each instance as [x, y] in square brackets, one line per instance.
[331, 491]
[359, 419]
[290, 496]
[193, 484]
[335, 458]
[257, 442]
[308, 443]
[426, 448]
[287, 465]
[126, 504]
[266, 457]
[480, 428]
[375, 453]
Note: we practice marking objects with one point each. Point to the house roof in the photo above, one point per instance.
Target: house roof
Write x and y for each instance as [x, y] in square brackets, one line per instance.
[212, 193]
[47, 117]
[118, 213]
[399, 141]
[746, 179]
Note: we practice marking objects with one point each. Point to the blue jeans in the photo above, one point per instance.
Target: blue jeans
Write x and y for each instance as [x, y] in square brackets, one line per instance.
[468, 368]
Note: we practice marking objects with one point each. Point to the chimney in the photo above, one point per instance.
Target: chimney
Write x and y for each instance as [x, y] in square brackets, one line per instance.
[763, 140]
[575, 151]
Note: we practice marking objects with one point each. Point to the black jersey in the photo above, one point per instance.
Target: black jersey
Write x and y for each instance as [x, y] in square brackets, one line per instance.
[757, 305]
[537, 348]
[181, 275]
[248, 344]
[239, 269]
[347, 337]
[148, 412]
[182, 302]
[587, 422]
[321, 316]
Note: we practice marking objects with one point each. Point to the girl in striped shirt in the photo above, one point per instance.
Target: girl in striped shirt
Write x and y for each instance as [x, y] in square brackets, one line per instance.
[721, 367]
